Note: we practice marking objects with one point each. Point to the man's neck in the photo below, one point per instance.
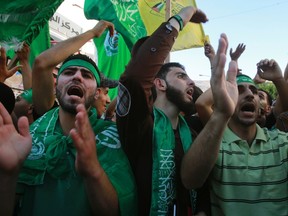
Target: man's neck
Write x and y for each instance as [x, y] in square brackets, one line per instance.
[169, 109]
[67, 121]
[247, 133]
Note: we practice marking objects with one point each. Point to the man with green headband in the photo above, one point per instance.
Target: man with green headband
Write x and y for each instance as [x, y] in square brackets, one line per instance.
[245, 165]
[66, 173]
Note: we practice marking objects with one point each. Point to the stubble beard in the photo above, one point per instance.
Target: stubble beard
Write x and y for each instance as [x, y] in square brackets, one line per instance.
[71, 107]
[244, 123]
[176, 97]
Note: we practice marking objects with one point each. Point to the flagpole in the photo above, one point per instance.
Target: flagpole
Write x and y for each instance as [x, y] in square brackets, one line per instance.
[167, 16]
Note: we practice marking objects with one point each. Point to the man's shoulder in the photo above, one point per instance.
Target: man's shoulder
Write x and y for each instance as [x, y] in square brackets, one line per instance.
[276, 134]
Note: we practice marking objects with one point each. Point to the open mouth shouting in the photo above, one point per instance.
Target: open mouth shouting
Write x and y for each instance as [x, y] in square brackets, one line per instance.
[248, 109]
[190, 93]
[75, 91]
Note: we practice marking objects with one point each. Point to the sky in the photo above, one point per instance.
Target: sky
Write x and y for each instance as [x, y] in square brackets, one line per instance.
[260, 24]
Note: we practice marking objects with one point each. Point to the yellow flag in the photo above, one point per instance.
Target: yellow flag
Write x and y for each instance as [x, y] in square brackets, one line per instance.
[153, 14]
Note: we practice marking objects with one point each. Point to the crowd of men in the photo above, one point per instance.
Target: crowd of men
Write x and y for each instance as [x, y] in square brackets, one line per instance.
[60, 154]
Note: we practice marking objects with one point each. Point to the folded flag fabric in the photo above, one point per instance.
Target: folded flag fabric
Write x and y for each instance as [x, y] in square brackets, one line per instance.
[23, 20]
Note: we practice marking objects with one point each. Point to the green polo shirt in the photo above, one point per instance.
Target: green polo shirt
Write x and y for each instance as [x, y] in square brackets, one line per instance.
[251, 180]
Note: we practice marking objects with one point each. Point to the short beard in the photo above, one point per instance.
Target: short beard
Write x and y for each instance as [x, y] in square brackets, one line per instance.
[235, 118]
[176, 97]
[71, 108]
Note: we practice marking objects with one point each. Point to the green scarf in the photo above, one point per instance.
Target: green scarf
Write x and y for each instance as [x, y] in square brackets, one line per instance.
[163, 174]
[49, 156]
[49, 149]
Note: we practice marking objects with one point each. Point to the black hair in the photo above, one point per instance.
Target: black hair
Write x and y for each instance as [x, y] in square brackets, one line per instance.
[166, 68]
[7, 97]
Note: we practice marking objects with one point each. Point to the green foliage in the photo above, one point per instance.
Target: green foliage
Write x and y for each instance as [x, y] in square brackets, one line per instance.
[269, 87]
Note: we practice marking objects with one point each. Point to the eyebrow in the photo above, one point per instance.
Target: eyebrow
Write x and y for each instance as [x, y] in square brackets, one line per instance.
[181, 73]
[75, 69]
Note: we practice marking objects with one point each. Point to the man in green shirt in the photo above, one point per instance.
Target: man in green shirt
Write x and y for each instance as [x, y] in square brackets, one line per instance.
[65, 173]
[245, 165]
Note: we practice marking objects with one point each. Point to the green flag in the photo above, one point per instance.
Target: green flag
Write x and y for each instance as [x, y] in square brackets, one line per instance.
[114, 52]
[123, 14]
[22, 20]
[40, 43]
[113, 56]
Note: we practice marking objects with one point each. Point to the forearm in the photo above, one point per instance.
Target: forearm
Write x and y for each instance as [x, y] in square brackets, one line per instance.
[26, 75]
[204, 106]
[202, 155]
[149, 57]
[7, 194]
[102, 196]
[282, 102]
[58, 53]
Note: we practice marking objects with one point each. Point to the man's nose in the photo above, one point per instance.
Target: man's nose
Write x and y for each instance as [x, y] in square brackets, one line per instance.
[78, 75]
[108, 100]
[191, 82]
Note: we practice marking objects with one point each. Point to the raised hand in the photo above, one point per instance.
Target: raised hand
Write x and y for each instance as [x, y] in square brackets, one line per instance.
[14, 146]
[192, 14]
[86, 162]
[101, 26]
[257, 79]
[23, 54]
[4, 72]
[224, 90]
[199, 17]
[238, 52]
[269, 70]
[209, 51]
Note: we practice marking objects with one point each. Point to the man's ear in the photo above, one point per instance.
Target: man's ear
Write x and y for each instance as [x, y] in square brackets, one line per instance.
[97, 93]
[30, 109]
[269, 109]
[160, 84]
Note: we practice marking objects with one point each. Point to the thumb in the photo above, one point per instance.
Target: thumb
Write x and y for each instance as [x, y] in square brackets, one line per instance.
[14, 70]
[23, 127]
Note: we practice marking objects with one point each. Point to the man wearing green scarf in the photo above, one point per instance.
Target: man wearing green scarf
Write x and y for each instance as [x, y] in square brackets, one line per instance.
[66, 173]
[154, 135]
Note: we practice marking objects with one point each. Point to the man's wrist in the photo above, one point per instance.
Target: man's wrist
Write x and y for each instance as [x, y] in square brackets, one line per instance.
[179, 20]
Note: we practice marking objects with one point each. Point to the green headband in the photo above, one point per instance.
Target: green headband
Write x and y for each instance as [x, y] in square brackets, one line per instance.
[27, 95]
[244, 78]
[82, 63]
